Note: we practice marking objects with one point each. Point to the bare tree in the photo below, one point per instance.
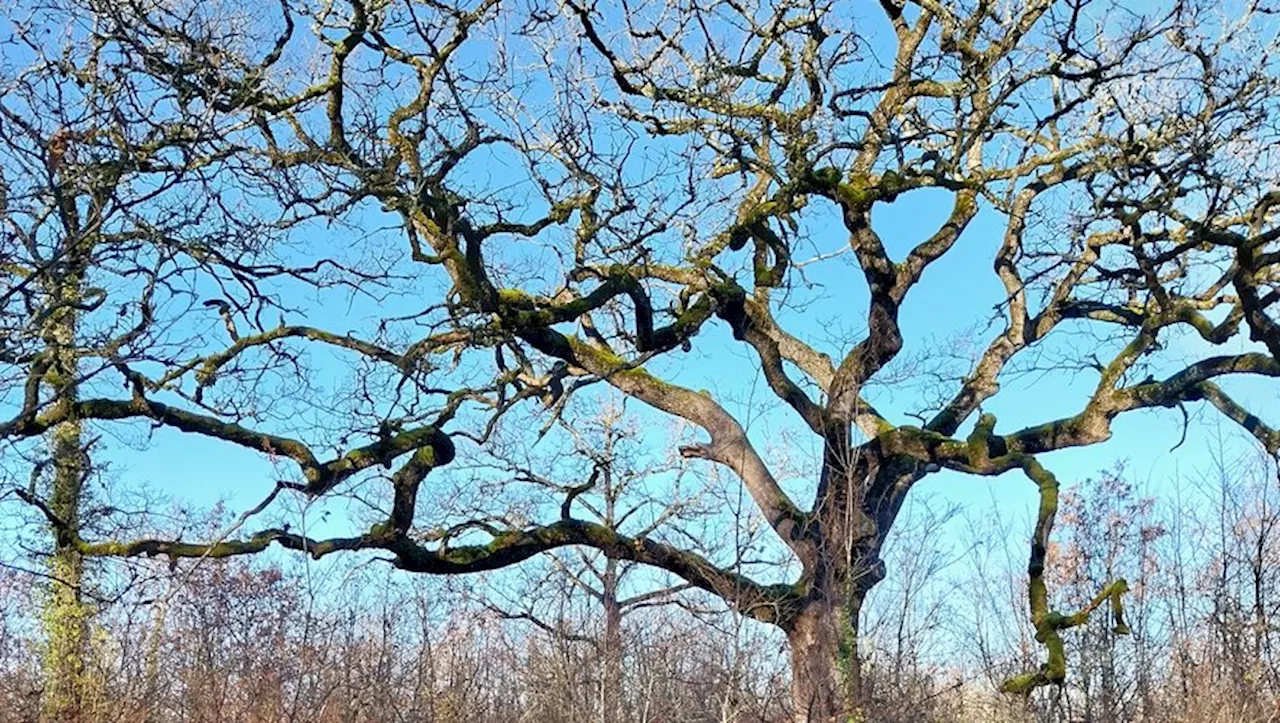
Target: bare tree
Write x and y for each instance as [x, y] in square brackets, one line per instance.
[627, 492]
[107, 205]
[689, 162]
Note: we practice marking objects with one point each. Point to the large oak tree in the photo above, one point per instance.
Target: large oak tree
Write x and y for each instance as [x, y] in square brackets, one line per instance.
[576, 192]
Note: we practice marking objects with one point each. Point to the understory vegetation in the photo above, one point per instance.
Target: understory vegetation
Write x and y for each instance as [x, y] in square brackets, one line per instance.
[276, 641]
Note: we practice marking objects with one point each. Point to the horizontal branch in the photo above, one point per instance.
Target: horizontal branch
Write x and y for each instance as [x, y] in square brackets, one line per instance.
[767, 603]
[320, 476]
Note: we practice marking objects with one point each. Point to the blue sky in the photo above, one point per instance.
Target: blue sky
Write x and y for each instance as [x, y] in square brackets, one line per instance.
[950, 309]
[953, 303]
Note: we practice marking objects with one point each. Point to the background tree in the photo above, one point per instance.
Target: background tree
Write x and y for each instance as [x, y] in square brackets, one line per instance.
[108, 209]
[628, 492]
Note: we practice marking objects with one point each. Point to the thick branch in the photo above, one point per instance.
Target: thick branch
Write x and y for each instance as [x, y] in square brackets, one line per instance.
[767, 603]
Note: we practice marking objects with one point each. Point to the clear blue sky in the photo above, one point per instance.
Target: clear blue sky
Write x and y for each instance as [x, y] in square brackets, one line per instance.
[953, 303]
[950, 308]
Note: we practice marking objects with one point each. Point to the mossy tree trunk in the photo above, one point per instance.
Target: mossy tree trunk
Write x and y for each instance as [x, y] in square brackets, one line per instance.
[66, 616]
[857, 501]
[813, 658]
[827, 683]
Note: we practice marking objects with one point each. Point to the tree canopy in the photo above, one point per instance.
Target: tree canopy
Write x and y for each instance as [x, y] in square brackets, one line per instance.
[522, 201]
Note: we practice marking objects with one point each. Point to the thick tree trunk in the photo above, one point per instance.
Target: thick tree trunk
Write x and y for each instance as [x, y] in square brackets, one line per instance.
[814, 652]
[843, 566]
[826, 673]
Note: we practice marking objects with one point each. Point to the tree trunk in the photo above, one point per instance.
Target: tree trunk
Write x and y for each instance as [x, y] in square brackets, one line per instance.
[827, 684]
[611, 648]
[66, 616]
[826, 673]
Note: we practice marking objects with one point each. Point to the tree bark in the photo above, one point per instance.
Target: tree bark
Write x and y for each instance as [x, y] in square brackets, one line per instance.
[827, 683]
[611, 648]
[66, 616]
[826, 672]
